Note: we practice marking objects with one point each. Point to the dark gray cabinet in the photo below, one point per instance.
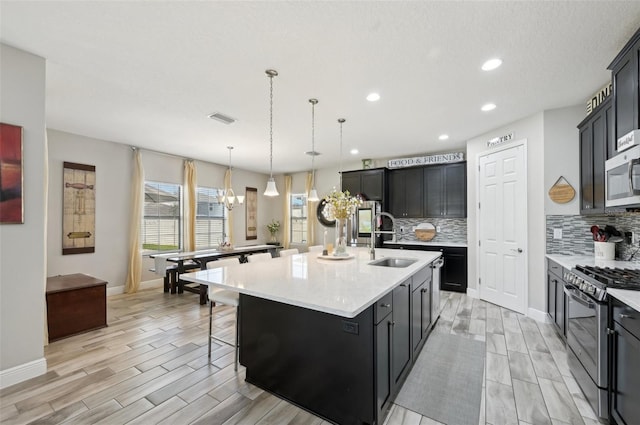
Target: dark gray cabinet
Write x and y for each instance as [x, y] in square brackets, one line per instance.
[420, 309]
[370, 183]
[596, 133]
[624, 366]
[401, 333]
[445, 190]
[383, 362]
[453, 274]
[556, 302]
[625, 74]
[406, 192]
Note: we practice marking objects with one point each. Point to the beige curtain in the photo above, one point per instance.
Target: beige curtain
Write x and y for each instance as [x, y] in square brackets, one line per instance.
[135, 218]
[190, 179]
[227, 185]
[286, 228]
[46, 225]
[311, 212]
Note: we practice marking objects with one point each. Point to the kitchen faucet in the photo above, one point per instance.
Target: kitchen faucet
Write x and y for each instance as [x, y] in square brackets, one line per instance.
[374, 232]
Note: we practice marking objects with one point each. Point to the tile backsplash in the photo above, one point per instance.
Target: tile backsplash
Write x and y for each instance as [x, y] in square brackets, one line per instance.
[578, 240]
[451, 229]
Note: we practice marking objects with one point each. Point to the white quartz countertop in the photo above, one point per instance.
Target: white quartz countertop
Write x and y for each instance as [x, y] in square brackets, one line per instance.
[341, 287]
[429, 243]
[630, 298]
[570, 261]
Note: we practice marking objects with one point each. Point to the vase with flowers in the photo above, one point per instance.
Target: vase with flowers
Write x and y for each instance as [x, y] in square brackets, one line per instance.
[273, 229]
[340, 206]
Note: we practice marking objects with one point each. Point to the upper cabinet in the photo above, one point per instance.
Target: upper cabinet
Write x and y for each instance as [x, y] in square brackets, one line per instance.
[596, 133]
[406, 192]
[445, 190]
[429, 191]
[625, 73]
[370, 183]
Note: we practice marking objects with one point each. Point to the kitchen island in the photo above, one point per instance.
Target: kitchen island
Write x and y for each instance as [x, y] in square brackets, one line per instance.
[335, 337]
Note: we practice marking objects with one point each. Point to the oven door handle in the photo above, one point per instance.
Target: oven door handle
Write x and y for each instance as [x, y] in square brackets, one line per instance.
[575, 295]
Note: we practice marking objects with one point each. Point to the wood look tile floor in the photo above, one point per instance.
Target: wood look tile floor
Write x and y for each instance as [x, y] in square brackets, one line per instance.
[149, 366]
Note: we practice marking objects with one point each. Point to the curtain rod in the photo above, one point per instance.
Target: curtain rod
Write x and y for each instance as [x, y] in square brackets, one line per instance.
[164, 153]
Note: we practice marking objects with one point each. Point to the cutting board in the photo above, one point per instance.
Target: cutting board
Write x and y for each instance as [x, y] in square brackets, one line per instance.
[425, 231]
[562, 192]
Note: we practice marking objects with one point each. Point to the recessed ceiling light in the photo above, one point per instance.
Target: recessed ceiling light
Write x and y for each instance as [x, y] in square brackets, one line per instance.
[373, 97]
[443, 137]
[488, 107]
[491, 64]
[353, 151]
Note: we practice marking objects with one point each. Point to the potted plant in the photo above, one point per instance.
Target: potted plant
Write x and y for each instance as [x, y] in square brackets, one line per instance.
[273, 229]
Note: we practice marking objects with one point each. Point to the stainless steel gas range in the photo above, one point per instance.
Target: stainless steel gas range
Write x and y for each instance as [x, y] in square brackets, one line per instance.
[587, 321]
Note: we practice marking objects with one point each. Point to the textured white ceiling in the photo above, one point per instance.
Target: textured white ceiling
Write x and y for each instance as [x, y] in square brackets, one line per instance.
[148, 73]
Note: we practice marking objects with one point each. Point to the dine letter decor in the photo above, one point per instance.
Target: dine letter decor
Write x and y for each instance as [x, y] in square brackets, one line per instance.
[562, 192]
[79, 209]
[11, 176]
[251, 197]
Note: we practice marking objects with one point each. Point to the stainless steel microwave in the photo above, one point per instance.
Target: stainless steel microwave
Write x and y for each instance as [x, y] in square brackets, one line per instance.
[623, 179]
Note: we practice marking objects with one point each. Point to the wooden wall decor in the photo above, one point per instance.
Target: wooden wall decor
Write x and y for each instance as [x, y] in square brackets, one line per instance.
[79, 209]
[251, 217]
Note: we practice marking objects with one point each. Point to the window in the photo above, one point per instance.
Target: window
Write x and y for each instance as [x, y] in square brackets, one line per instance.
[298, 216]
[210, 218]
[161, 223]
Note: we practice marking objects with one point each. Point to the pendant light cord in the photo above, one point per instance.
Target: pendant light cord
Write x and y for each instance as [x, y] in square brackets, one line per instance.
[271, 126]
[341, 121]
[313, 142]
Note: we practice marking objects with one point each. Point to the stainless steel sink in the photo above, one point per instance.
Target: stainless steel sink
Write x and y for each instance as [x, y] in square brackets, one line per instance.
[393, 262]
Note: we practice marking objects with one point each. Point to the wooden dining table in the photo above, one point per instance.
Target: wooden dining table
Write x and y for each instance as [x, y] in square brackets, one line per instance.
[189, 261]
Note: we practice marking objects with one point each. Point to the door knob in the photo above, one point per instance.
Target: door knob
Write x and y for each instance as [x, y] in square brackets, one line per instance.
[516, 250]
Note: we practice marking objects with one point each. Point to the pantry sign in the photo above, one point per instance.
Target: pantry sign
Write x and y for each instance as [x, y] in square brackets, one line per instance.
[426, 160]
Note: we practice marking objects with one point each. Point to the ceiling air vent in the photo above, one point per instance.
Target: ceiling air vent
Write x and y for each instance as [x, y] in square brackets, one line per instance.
[222, 118]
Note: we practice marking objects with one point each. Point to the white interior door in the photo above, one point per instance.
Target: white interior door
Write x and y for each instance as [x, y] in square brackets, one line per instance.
[502, 232]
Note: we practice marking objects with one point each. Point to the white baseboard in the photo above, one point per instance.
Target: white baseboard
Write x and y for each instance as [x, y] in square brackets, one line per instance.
[537, 315]
[148, 284]
[23, 372]
[473, 293]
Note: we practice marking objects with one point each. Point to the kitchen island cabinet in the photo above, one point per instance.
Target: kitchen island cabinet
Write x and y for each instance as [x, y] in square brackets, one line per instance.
[333, 337]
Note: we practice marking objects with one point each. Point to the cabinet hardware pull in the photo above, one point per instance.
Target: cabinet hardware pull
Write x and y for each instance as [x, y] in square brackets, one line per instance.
[626, 316]
[385, 305]
[404, 285]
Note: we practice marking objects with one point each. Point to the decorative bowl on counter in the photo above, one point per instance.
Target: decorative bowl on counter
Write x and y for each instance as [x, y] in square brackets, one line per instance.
[425, 231]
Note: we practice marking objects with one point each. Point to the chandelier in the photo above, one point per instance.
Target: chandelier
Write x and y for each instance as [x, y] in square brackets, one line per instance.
[227, 196]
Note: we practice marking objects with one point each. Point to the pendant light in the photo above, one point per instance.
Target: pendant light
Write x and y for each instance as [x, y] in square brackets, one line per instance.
[271, 189]
[313, 195]
[341, 121]
[228, 196]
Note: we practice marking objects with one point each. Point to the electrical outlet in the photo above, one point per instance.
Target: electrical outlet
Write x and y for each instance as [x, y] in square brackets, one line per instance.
[634, 238]
[401, 229]
[557, 233]
[438, 229]
[413, 228]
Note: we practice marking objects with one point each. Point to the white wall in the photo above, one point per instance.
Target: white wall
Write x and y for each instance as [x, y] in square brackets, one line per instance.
[114, 164]
[532, 129]
[22, 246]
[561, 155]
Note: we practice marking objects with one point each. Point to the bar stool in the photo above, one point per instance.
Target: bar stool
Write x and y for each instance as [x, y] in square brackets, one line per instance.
[288, 252]
[316, 249]
[259, 257]
[226, 297]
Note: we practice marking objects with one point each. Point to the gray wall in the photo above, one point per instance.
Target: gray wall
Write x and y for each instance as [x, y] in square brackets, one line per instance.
[531, 129]
[114, 162]
[22, 246]
[561, 155]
